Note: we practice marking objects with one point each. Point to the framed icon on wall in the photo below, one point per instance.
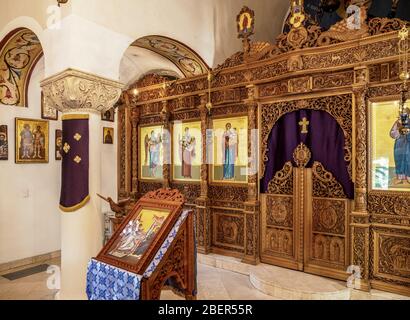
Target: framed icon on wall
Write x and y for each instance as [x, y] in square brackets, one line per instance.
[32, 141]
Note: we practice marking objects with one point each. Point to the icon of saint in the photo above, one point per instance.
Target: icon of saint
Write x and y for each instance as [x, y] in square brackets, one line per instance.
[229, 151]
[152, 150]
[187, 152]
[401, 150]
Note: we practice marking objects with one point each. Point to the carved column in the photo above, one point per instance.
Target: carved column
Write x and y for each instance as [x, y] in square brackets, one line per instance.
[135, 118]
[360, 226]
[76, 93]
[203, 213]
[252, 204]
[124, 148]
[166, 139]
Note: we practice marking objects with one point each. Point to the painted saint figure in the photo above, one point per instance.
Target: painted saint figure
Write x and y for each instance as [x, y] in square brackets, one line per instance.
[229, 152]
[39, 143]
[3, 144]
[108, 138]
[27, 142]
[135, 240]
[152, 149]
[131, 237]
[187, 152]
[401, 152]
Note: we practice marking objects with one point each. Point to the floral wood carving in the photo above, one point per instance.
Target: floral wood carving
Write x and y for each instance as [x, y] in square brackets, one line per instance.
[397, 204]
[173, 265]
[165, 194]
[385, 25]
[282, 183]
[325, 184]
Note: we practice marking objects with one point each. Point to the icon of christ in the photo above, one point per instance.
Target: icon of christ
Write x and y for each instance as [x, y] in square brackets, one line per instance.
[187, 152]
[229, 151]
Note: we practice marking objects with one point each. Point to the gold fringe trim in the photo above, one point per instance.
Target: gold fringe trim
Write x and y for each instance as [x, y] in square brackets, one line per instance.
[76, 207]
[75, 117]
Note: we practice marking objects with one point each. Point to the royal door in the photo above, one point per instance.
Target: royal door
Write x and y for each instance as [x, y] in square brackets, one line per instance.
[305, 215]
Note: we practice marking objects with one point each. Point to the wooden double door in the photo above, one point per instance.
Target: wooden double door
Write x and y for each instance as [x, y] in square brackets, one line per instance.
[304, 221]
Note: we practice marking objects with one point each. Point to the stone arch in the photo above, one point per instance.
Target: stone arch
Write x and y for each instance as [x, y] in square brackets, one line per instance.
[20, 50]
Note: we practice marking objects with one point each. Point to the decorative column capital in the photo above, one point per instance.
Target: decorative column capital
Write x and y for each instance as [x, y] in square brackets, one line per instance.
[73, 90]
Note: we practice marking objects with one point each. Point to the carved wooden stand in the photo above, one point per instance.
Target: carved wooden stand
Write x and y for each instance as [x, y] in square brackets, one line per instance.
[178, 265]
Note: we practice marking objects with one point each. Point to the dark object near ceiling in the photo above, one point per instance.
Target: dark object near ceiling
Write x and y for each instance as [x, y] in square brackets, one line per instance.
[330, 5]
[403, 10]
[390, 9]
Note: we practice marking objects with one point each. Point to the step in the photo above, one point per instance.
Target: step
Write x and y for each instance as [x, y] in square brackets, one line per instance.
[282, 283]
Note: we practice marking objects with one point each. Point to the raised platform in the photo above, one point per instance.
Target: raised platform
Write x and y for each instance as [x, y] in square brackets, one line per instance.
[281, 283]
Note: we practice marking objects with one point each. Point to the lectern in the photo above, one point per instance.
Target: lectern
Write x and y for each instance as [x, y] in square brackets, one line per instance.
[153, 248]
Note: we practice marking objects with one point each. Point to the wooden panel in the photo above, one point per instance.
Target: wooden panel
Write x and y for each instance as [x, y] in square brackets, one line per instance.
[228, 229]
[392, 256]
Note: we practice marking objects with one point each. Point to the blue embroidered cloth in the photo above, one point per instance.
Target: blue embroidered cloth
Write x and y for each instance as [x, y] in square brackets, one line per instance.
[106, 282]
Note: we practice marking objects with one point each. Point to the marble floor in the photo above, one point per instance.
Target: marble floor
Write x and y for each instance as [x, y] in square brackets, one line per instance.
[213, 284]
[28, 288]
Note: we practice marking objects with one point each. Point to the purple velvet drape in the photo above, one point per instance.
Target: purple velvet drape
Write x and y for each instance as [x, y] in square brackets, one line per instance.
[75, 165]
[325, 139]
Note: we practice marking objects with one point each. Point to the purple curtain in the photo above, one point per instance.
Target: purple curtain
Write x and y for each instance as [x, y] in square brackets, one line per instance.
[75, 165]
[325, 139]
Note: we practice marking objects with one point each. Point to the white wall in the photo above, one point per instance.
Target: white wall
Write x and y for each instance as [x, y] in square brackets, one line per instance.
[29, 193]
[109, 166]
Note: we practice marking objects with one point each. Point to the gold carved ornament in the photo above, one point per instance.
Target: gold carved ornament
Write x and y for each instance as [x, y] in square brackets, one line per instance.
[282, 183]
[325, 184]
[302, 155]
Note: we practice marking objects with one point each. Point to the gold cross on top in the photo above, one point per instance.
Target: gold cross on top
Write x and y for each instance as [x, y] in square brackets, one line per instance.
[304, 125]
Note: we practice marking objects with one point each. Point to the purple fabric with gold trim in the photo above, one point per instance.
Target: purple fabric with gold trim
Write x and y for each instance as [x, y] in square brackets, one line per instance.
[325, 139]
[75, 165]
